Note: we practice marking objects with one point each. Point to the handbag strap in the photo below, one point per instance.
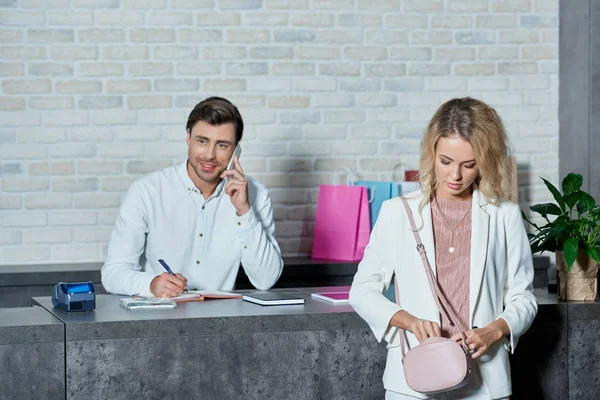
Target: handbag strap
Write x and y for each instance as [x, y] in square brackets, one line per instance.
[438, 296]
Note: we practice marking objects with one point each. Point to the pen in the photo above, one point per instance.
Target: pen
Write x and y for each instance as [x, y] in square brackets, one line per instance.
[164, 264]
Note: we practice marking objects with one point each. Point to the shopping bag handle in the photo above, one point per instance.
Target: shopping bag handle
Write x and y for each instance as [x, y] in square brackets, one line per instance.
[350, 176]
[350, 179]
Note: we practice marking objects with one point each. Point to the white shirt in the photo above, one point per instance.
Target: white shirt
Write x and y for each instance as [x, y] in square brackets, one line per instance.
[164, 216]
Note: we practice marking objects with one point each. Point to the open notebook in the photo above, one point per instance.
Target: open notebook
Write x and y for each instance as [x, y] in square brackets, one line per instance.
[199, 295]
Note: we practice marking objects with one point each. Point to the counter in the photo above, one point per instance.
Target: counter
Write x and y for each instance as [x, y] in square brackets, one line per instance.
[220, 349]
[230, 349]
[32, 359]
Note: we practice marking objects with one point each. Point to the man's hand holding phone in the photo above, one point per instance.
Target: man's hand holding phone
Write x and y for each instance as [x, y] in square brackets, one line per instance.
[237, 186]
[236, 152]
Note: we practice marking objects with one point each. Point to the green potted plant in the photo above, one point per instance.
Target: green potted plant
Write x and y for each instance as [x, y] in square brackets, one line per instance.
[572, 231]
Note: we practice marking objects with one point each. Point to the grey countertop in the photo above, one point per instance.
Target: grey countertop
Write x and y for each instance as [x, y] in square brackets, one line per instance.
[210, 316]
[543, 297]
[576, 309]
[29, 325]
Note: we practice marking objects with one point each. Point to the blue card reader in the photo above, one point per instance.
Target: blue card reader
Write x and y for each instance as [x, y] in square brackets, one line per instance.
[76, 296]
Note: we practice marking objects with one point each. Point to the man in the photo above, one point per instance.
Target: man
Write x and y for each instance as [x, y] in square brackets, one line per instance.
[199, 217]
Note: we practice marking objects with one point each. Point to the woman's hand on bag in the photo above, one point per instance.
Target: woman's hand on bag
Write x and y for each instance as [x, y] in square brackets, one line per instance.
[424, 329]
[421, 328]
[479, 340]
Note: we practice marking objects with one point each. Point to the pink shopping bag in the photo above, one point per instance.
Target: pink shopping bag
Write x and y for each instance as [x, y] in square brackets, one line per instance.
[342, 227]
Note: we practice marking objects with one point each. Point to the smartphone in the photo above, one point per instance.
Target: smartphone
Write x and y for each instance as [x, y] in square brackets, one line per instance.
[236, 152]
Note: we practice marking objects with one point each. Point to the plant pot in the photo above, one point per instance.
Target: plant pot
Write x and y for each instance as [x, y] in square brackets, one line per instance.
[581, 283]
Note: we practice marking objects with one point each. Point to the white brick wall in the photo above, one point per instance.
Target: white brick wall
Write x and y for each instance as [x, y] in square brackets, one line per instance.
[95, 93]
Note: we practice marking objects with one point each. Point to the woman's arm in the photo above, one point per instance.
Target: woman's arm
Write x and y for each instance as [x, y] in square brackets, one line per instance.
[520, 304]
[374, 276]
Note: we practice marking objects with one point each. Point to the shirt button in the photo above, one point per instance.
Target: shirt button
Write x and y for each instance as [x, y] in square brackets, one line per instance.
[239, 223]
[197, 262]
[201, 235]
[203, 207]
[245, 247]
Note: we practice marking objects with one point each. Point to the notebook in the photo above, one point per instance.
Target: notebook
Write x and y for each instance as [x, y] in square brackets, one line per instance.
[332, 297]
[269, 298]
[198, 295]
[139, 303]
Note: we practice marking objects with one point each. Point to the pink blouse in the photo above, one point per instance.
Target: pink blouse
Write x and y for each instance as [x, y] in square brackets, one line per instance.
[452, 235]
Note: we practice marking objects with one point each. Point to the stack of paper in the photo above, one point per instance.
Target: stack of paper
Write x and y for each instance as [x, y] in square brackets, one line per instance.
[137, 303]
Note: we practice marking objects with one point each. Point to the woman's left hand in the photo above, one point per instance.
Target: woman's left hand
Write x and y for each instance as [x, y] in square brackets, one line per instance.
[479, 340]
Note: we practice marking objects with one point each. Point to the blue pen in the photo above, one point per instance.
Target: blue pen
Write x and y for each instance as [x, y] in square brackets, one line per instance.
[164, 264]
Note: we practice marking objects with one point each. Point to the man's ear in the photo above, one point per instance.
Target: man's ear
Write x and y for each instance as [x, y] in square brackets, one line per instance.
[188, 137]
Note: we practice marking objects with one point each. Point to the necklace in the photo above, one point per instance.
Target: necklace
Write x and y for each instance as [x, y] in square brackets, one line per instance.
[451, 249]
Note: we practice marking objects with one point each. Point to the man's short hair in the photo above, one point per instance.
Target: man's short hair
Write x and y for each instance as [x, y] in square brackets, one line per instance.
[216, 111]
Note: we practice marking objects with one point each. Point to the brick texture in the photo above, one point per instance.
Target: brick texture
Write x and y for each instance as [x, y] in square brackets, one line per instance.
[95, 94]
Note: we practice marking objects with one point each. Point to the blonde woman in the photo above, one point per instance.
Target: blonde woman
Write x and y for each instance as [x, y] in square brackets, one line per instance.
[477, 247]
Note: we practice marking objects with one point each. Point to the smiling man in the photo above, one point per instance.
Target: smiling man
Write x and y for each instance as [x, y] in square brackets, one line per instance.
[199, 217]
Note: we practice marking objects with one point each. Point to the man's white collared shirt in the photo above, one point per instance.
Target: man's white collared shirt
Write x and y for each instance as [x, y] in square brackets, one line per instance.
[164, 216]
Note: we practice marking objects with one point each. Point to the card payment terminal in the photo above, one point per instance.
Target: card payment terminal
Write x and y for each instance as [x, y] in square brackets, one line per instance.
[76, 296]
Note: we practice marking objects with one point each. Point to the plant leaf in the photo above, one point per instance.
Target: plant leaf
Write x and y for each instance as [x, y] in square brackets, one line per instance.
[572, 183]
[557, 230]
[548, 243]
[546, 208]
[593, 253]
[587, 200]
[571, 249]
[539, 246]
[555, 193]
[572, 198]
[527, 220]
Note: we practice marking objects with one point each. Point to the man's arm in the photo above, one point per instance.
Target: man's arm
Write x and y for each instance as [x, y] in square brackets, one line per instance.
[121, 272]
[261, 256]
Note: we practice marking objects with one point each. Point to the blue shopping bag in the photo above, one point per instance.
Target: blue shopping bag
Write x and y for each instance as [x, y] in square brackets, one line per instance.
[378, 192]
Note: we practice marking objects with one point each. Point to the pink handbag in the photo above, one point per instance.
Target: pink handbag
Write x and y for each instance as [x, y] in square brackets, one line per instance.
[437, 364]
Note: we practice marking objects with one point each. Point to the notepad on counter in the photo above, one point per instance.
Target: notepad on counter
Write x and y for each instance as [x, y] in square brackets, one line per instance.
[140, 303]
[271, 298]
[332, 297]
[199, 295]
[196, 295]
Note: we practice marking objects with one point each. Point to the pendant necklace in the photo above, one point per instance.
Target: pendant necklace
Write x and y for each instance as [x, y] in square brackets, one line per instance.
[451, 249]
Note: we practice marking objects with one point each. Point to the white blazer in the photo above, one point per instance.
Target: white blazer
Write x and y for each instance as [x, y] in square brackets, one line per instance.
[501, 278]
